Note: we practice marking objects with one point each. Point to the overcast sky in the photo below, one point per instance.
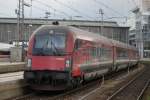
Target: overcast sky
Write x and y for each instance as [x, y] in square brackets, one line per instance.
[75, 9]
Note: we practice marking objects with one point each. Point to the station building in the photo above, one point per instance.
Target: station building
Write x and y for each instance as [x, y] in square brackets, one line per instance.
[8, 28]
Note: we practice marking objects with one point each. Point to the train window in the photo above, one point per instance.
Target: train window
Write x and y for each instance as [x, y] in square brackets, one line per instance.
[97, 52]
[122, 53]
[93, 52]
[87, 55]
[40, 41]
[48, 41]
[59, 41]
[105, 54]
[49, 44]
[78, 44]
[99, 49]
[101, 54]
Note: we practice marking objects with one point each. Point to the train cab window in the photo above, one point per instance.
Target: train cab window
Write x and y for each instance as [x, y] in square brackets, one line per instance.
[49, 44]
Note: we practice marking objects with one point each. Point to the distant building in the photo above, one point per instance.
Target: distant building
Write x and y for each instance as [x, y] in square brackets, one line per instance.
[142, 14]
[8, 28]
[132, 37]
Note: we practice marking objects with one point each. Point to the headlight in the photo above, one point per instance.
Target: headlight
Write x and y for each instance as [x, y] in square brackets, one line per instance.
[68, 63]
[29, 63]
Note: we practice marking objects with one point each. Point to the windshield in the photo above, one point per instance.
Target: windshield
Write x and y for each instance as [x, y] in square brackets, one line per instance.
[49, 44]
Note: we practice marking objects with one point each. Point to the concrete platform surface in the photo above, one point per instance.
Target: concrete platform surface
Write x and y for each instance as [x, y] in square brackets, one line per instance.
[145, 59]
[11, 77]
[12, 85]
[7, 67]
[11, 63]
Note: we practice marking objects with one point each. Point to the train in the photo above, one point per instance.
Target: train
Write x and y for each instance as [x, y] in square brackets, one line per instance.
[5, 52]
[59, 57]
[5, 48]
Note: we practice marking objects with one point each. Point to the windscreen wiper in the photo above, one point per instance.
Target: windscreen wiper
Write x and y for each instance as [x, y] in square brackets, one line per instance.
[56, 49]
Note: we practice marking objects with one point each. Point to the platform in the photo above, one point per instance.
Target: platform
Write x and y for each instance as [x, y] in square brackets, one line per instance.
[11, 76]
[12, 85]
[6, 67]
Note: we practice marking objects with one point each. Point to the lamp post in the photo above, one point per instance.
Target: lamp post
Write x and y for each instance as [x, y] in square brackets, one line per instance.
[101, 13]
[20, 23]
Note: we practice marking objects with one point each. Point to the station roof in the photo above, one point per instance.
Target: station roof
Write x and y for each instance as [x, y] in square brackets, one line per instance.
[61, 21]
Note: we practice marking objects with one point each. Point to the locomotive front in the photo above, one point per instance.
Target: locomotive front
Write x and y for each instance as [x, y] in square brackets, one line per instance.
[49, 59]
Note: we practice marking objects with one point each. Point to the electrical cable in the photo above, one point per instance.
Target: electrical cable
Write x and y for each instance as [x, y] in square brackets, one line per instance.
[49, 6]
[75, 10]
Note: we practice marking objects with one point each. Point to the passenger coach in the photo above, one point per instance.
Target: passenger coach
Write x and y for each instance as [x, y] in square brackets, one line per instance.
[63, 56]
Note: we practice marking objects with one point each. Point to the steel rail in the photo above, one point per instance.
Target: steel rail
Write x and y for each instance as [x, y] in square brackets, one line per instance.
[143, 90]
[123, 87]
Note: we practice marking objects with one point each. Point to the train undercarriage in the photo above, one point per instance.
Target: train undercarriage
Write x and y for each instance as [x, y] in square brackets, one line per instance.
[47, 80]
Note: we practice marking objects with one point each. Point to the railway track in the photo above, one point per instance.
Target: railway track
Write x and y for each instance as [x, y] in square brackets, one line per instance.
[91, 86]
[74, 94]
[58, 95]
[134, 89]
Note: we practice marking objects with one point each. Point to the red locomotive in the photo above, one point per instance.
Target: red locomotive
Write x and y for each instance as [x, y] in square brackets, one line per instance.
[63, 56]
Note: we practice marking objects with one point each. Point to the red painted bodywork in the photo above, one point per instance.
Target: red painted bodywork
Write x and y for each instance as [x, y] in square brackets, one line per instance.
[31, 42]
[48, 63]
[70, 43]
[55, 63]
[78, 57]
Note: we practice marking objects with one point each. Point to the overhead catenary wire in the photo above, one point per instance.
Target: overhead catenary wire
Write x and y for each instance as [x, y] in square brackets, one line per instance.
[49, 6]
[75, 10]
[108, 7]
[119, 15]
[45, 10]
